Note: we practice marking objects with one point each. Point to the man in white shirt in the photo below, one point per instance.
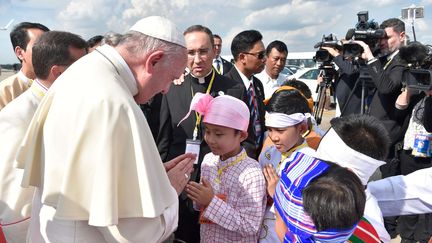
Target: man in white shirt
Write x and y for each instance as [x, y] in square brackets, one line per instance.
[271, 76]
[90, 151]
[52, 53]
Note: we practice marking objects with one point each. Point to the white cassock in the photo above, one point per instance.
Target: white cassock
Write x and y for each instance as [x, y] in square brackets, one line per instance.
[15, 201]
[91, 153]
[404, 195]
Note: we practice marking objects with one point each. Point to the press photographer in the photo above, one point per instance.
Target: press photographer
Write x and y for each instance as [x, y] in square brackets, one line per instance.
[414, 103]
[353, 85]
[386, 71]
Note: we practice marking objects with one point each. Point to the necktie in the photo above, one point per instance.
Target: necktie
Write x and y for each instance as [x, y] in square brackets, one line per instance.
[218, 66]
[253, 107]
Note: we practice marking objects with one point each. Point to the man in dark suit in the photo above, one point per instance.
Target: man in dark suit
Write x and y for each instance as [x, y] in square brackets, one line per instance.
[221, 65]
[248, 51]
[172, 137]
[386, 73]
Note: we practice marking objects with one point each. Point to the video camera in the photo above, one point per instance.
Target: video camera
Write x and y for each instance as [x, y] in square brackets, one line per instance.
[418, 74]
[324, 58]
[366, 31]
[323, 55]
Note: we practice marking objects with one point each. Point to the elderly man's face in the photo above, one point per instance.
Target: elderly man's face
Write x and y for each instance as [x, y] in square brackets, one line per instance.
[165, 70]
[200, 53]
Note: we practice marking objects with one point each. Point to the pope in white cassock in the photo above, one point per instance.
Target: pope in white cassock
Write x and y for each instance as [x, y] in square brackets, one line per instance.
[90, 151]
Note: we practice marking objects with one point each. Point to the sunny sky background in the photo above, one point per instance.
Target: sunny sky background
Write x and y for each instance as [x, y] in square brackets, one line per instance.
[299, 23]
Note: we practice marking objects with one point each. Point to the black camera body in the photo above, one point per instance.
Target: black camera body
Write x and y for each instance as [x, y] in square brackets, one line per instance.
[366, 31]
[418, 73]
[323, 55]
[418, 79]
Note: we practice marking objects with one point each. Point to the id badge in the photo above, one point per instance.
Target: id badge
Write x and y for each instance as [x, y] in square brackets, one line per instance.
[422, 145]
[193, 146]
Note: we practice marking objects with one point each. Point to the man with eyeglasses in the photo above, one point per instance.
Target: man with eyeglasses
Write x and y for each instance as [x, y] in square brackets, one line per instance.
[248, 51]
[52, 54]
[174, 138]
[271, 76]
[221, 65]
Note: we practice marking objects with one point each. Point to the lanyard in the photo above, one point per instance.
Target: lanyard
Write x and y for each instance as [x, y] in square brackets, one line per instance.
[198, 116]
[388, 63]
[389, 60]
[289, 152]
[222, 169]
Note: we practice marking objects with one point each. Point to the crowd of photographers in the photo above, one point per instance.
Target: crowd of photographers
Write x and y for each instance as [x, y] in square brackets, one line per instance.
[380, 74]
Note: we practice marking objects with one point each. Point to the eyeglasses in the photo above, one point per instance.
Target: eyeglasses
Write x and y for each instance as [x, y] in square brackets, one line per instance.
[260, 55]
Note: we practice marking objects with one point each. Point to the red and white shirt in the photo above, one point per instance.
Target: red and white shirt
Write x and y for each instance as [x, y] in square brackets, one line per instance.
[236, 211]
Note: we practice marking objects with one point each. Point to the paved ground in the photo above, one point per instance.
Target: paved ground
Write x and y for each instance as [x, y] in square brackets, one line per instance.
[5, 73]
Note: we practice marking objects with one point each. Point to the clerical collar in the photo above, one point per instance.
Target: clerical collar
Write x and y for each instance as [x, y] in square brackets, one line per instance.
[201, 80]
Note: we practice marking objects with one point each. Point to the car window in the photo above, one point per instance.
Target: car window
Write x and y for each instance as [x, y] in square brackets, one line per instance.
[286, 71]
[311, 74]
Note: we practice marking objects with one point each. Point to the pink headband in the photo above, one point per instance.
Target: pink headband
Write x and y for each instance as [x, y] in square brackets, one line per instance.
[223, 110]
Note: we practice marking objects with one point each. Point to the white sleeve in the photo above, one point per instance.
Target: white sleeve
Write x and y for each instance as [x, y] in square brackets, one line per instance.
[143, 229]
[404, 195]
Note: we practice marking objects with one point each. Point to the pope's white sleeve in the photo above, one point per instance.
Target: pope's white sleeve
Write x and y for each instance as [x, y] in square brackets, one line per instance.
[143, 229]
[404, 195]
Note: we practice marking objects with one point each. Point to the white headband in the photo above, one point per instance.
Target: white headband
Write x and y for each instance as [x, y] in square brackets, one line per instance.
[280, 120]
[333, 149]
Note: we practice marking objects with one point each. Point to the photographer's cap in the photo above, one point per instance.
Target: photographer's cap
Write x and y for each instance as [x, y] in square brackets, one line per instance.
[160, 28]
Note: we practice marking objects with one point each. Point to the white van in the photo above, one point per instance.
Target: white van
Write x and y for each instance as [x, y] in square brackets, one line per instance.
[301, 59]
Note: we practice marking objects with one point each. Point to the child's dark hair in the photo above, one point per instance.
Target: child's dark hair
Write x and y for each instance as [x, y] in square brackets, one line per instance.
[301, 86]
[364, 134]
[288, 102]
[335, 199]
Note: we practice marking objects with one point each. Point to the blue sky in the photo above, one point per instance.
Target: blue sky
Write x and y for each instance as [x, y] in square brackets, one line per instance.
[299, 23]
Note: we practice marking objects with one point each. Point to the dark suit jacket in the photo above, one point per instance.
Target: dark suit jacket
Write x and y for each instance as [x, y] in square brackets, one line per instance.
[226, 66]
[252, 148]
[175, 105]
[388, 84]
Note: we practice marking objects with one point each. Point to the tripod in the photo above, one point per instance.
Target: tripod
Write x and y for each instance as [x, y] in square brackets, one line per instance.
[319, 105]
[365, 81]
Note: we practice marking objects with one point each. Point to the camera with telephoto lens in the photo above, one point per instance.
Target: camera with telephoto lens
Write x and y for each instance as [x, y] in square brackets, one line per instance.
[418, 73]
[365, 30]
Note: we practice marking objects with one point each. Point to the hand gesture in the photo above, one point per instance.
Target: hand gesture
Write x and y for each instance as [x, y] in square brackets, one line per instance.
[367, 53]
[179, 170]
[272, 179]
[201, 193]
[331, 51]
